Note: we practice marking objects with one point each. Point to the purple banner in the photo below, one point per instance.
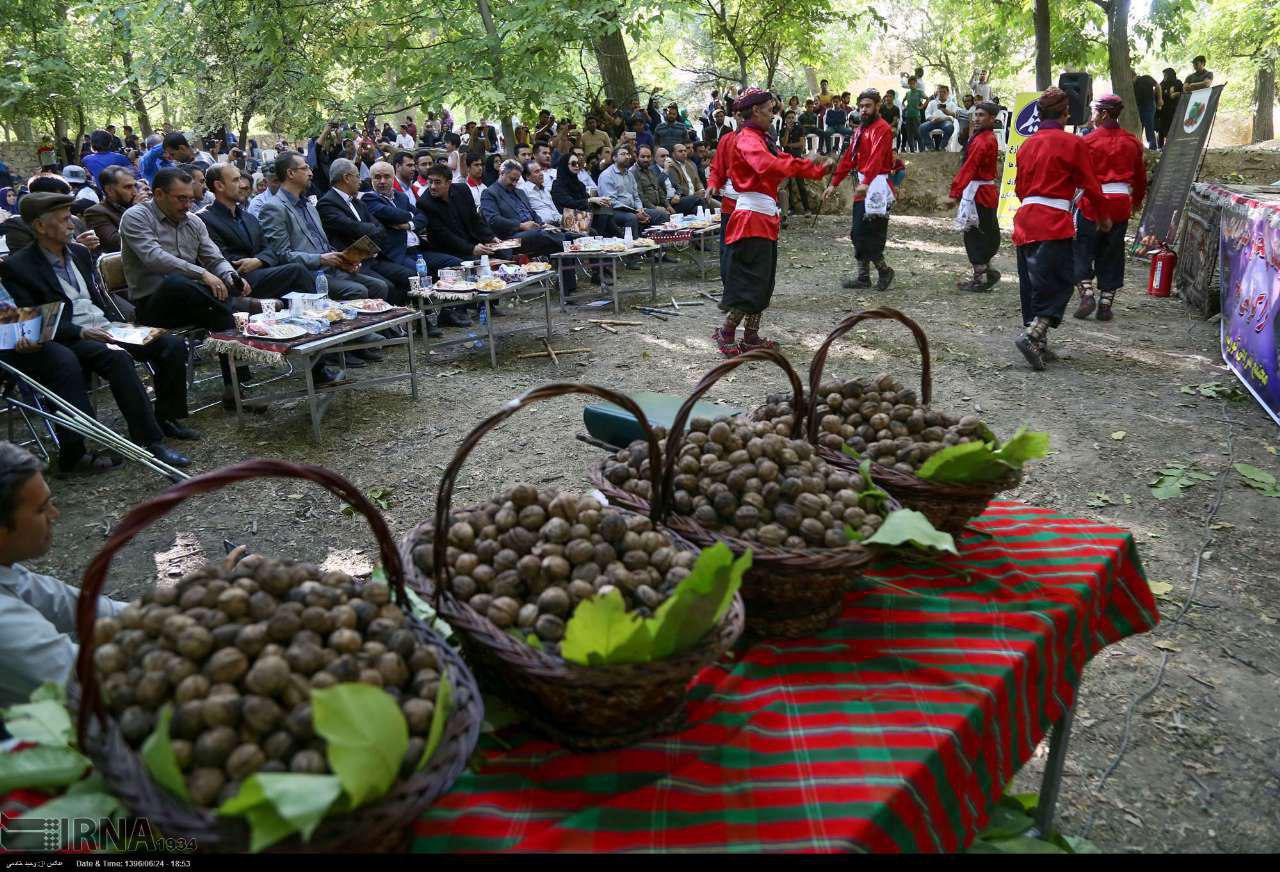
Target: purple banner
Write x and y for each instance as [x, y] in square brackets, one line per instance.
[1250, 263]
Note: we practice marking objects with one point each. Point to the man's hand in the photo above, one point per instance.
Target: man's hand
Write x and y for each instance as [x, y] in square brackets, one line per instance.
[245, 290]
[332, 259]
[93, 334]
[26, 346]
[89, 240]
[712, 192]
[642, 216]
[246, 265]
[482, 248]
[1104, 224]
[828, 191]
[952, 201]
[215, 285]
[861, 190]
[528, 225]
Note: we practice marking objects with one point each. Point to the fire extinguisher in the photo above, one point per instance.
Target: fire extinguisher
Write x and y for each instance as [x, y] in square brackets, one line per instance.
[1160, 282]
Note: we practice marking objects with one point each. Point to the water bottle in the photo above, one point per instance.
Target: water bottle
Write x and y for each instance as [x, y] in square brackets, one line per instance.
[322, 284]
[424, 276]
[484, 327]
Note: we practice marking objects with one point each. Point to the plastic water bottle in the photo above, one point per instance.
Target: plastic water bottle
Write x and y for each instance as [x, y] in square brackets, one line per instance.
[424, 276]
[322, 284]
[484, 327]
[627, 239]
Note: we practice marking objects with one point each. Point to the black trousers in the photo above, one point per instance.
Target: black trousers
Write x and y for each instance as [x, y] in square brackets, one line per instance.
[56, 367]
[397, 275]
[273, 282]
[982, 242]
[869, 234]
[688, 204]
[626, 219]
[168, 358]
[182, 301]
[1045, 271]
[537, 242]
[364, 283]
[1100, 254]
[751, 267]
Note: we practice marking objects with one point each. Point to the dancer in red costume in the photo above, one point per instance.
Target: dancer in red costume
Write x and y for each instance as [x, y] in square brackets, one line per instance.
[870, 152]
[1117, 158]
[756, 168]
[973, 190]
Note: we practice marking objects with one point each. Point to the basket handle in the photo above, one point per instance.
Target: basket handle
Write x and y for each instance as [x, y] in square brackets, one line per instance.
[444, 496]
[676, 437]
[882, 313]
[141, 517]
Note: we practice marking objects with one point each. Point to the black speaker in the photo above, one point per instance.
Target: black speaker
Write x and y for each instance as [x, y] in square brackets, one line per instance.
[1079, 88]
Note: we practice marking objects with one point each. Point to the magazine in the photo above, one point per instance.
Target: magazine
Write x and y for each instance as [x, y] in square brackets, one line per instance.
[33, 323]
[360, 250]
[133, 334]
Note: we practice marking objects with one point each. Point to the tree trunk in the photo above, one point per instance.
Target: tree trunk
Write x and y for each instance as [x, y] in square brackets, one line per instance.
[164, 108]
[1120, 65]
[495, 52]
[1044, 58]
[742, 67]
[124, 34]
[1264, 102]
[811, 79]
[615, 67]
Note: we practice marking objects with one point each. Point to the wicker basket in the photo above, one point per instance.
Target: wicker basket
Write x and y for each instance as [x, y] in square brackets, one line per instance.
[586, 708]
[789, 593]
[380, 827]
[948, 507]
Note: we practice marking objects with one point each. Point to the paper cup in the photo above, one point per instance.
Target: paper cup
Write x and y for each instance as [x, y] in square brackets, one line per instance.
[242, 320]
[269, 307]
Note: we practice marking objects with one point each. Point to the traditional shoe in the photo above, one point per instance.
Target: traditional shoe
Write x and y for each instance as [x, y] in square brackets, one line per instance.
[1087, 304]
[993, 279]
[1047, 354]
[884, 278]
[860, 281]
[758, 342]
[728, 347]
[1104, 312]
[974, 286]
[1030, 350]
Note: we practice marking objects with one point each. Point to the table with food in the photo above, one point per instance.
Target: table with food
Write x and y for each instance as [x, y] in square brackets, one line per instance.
[611, 250]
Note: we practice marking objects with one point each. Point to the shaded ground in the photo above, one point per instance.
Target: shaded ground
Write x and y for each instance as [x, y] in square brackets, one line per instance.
[1202, 768]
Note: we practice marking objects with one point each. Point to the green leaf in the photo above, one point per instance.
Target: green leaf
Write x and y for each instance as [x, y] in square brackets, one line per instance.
[1076, 844]
[92, 806]
[45, 723]
[849, 451]
[1258, 479]
[43, 766]
[1022, 447]
[1006, 823]
[1015, 845]
[907, 526]
[439, 717]
[157, 754]
[971, 461]
[277, 804]
[699, 601]
[366, 736]
[1166, 487]
[50, 692]
[602, 632]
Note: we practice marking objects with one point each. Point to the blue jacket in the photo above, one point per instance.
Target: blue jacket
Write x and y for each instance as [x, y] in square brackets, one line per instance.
[390, 212]
[505, 209]
[153, 162]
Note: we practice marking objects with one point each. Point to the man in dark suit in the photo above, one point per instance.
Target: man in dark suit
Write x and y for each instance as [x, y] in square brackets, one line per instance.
[118, 190]
[239, 236]
[55, 270]
[346, 219]
[508, 211]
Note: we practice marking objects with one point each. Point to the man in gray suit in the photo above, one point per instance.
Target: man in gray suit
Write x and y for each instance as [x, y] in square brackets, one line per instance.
[294, 232]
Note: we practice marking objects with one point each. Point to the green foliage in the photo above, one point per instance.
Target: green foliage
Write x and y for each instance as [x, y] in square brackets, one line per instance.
[1008, 830]
[44, 766]
[909, 527]
[603, 633]
[278, 804]
[158, 756]
[982, 461]
[1258, 479]
[366, 737]
[1176, 477]
[43, 720]
[439, 717]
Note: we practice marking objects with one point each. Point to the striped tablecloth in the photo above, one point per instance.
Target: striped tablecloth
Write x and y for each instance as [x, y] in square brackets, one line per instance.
[896, 730]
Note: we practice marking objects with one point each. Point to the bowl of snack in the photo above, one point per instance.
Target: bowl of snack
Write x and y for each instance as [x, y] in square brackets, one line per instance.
[491, 284]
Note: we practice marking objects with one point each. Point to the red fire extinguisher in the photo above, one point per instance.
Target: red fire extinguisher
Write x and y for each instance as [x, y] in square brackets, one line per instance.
[1160, 282]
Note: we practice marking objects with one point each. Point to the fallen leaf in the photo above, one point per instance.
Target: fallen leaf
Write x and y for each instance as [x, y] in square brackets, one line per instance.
[1119, 435]
[1165, 645]
[1159, 588]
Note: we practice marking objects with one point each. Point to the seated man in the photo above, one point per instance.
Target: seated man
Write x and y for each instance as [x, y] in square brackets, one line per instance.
[688, 184]
[537, 190]
[269, 176]
[619, 187]
[656, 192]
[405, 236]
[295, 233]
[346, 219]
[55, 270]
[453, 223]
[37, 612]
[507, 210]
[172, 150]
[119, 187]
[940, 115]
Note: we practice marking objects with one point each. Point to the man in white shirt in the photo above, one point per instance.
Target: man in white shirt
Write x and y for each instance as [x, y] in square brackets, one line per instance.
[939, 115]
[269, 175]
[404, 141]
[38, 640]
[538, 190]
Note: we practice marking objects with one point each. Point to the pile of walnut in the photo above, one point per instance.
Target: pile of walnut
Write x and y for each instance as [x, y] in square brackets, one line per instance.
[879, 419]
[744, 480]
[527, 559]
[238, 649]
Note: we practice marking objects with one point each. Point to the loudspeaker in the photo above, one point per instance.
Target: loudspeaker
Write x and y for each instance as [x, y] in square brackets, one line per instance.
[1079, 88]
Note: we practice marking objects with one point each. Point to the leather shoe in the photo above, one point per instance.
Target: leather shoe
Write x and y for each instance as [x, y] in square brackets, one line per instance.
[353, 362]
[372, 355]
[257, 407]
[174, 430]
[165, 454]
[454, 318]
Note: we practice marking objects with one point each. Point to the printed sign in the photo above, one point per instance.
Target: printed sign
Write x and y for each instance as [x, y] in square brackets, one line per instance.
[1024, 121]
[1250, 262]
[1179, 164]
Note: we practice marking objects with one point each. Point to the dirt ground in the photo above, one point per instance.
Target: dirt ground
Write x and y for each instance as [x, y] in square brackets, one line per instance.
[1202, 767]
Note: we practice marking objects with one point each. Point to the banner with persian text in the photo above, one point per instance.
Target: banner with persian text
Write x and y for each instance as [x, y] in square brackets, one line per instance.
[1024, 121]
[1249, 257]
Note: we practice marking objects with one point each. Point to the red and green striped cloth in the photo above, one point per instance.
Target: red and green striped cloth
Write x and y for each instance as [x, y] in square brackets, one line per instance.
[896, 730]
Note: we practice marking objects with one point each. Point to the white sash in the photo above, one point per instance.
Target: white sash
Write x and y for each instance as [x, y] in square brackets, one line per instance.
[1051, 202]
[727, 190]
[753, 201]
[1116, 188]
[967, 210]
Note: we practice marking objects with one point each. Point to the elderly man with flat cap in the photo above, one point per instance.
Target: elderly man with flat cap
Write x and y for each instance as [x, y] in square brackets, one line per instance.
[1052, 165]
[56, 270]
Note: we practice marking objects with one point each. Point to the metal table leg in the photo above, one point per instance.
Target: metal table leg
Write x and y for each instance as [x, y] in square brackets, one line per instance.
[413, 366]
[235, 387]
[312, 399]
[560, 278]
[488, 319]
[653, 274]
[546, 308]
[1051, 783]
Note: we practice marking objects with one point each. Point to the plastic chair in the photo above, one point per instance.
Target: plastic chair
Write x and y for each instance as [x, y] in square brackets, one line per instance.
[837, 142]
[936, 136]
[811, 146]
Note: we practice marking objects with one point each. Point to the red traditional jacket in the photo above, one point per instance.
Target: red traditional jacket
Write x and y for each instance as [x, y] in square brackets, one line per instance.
[979, 166]
[871, 147]
[1116, 155]
[720, 170]
[1052, 164]
[754, 169]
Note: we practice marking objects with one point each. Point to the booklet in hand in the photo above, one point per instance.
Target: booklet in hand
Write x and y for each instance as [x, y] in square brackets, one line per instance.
[133, 334]
[35, 324]
[360, 250]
